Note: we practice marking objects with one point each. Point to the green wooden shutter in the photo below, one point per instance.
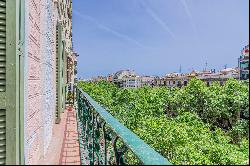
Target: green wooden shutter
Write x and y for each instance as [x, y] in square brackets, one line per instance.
[58, 72]
[9, 83]
[63, 65]
[2, 81]
[2, 136]
[2, 46]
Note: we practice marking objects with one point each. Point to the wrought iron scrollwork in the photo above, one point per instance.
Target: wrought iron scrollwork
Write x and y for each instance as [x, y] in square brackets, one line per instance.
[100, 143]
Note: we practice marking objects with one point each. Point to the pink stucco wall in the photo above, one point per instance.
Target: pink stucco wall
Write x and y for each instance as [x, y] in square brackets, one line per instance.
[41, 86]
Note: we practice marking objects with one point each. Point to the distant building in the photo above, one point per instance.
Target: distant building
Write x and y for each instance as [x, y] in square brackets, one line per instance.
[178, 79]
[147, 80]
[110, 78]
[124, 73]
[120, 77]
[129, 79]
[137, 81]
[244, 63]
[181, 80]
[72, 70]
[98, 78]
[221, 76]
[131, 82]
[159, 81]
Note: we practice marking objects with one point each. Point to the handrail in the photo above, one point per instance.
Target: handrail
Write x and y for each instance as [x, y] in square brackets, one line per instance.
[139, 148]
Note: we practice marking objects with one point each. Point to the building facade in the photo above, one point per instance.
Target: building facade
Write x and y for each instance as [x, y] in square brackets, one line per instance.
[177, 81]
[71, 70]
[110, 78]
[180, 80]
[119, 78]
[220, 77]
[129, 79]
[147, 81]
[35, 45]
[244, 63]
[131, 82]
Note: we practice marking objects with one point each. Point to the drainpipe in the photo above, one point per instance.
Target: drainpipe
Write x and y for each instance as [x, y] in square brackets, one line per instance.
[21, 47]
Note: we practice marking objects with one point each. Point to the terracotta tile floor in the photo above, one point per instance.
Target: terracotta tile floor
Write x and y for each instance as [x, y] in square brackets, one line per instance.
[70, 153]
[64, 146]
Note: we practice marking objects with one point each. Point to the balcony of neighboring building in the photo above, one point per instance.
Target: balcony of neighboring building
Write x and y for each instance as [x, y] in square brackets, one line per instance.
[244, 59]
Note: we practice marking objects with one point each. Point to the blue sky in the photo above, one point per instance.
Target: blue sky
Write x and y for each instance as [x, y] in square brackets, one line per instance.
[155, 37]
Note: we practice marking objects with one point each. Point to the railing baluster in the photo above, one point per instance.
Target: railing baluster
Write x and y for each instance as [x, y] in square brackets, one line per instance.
[116, 156]
[105, 143]
[97, 139]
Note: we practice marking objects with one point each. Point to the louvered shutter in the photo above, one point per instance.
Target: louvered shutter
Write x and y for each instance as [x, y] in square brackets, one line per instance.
[2, 82]
[2, 46]
[58, 72]
[9, 83]
[63, 67]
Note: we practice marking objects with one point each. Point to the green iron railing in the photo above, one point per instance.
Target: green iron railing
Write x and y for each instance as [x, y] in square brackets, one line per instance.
[103, 140]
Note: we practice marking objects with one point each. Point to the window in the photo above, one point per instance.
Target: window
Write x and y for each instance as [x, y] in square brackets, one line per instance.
[208, 84]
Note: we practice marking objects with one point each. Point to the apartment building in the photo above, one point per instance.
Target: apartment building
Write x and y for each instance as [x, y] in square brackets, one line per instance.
[147, 80]
[131, 82]
[220, 77]
[129, 79]
[120, 77]
[244, 63]
[181, 80]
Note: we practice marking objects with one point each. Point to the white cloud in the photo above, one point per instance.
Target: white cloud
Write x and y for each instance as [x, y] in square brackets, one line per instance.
[157, 19]
[110, 30]
[189, 14]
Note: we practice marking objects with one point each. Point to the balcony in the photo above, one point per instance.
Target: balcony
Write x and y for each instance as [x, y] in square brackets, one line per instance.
[104, 140]
[89, 135]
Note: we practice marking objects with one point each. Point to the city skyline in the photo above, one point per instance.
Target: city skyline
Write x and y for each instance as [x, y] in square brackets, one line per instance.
[164, 74]
[156, 37]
